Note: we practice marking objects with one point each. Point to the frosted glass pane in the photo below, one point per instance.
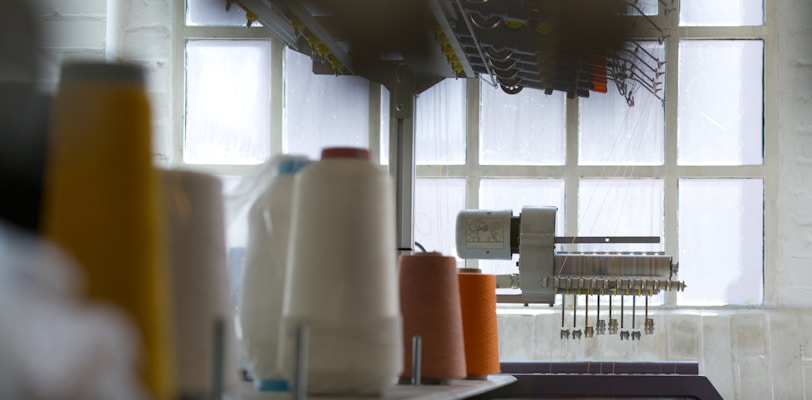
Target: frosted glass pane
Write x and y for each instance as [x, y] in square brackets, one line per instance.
[213, 13]
[720, 113]
[228, 101]
[621, 207]
[440, 123]
[437, 203]
[721, 12]
[527, 128]
[500, 194]
[642, 7]
[323, 110]
[721, 241]
[612, 133]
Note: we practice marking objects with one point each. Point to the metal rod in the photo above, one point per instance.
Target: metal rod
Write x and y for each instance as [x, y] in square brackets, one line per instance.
[417, 344]
[605, 239]
[598, 312]
[402, 98]
[302, 344]
[574, 309]
[646, 307]
[634, 310]
[216, 378]
[611, 298]
[622, 306]
[586, 311]
[563, 309]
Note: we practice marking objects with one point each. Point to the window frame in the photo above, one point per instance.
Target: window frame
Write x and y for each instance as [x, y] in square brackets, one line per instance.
[473, 172]
[670, 171]
[184, 33]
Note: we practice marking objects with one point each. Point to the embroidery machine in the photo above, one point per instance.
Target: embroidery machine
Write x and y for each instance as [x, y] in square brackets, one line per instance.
[543, 272]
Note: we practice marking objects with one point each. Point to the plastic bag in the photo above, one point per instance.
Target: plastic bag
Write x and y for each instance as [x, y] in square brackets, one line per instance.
[257, 214]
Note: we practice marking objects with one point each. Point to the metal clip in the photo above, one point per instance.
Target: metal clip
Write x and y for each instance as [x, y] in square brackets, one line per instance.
[624, 334]
[601, 327]
[613, 326]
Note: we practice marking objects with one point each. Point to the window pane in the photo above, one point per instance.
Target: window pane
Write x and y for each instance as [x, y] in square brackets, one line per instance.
[720, 113]
[621, 207]
[500, 194]
[440, 123]
[527, 128]
[213, 13]
[323, 110]
[721, 241]
[613, 133]
[642, 7]
[437, 203]
[227, 101]
[721, 12]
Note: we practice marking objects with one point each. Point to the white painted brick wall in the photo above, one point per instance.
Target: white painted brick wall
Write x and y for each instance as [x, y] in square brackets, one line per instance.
[749, 354]
[72, 7]
[796, 152]
[746, 354]
[144, 32]
[71, 30]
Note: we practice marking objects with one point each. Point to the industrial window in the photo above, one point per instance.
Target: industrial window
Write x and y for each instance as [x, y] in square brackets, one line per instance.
[694, 169]
[691, 169]
[245, 98]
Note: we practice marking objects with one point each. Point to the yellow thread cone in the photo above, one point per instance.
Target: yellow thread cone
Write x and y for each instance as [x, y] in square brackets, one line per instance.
[102, 203]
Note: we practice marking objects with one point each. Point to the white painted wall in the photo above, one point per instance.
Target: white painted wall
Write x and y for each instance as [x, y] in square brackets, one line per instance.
[134, 30]
[749, 353]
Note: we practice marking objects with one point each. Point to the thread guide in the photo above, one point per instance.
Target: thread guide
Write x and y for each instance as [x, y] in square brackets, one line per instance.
[616, 326]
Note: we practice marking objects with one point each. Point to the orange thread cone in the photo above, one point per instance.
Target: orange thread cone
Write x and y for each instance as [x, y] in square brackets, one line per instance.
[430, 303]
[478, 300]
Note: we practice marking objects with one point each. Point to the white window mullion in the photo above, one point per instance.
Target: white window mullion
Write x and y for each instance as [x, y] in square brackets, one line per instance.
[472, 146]
[277, 96]
[472, 166]
[771, 154]
[225, 32]
[671, 175]
[714, 33]
[571, 172]
[178, 82]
